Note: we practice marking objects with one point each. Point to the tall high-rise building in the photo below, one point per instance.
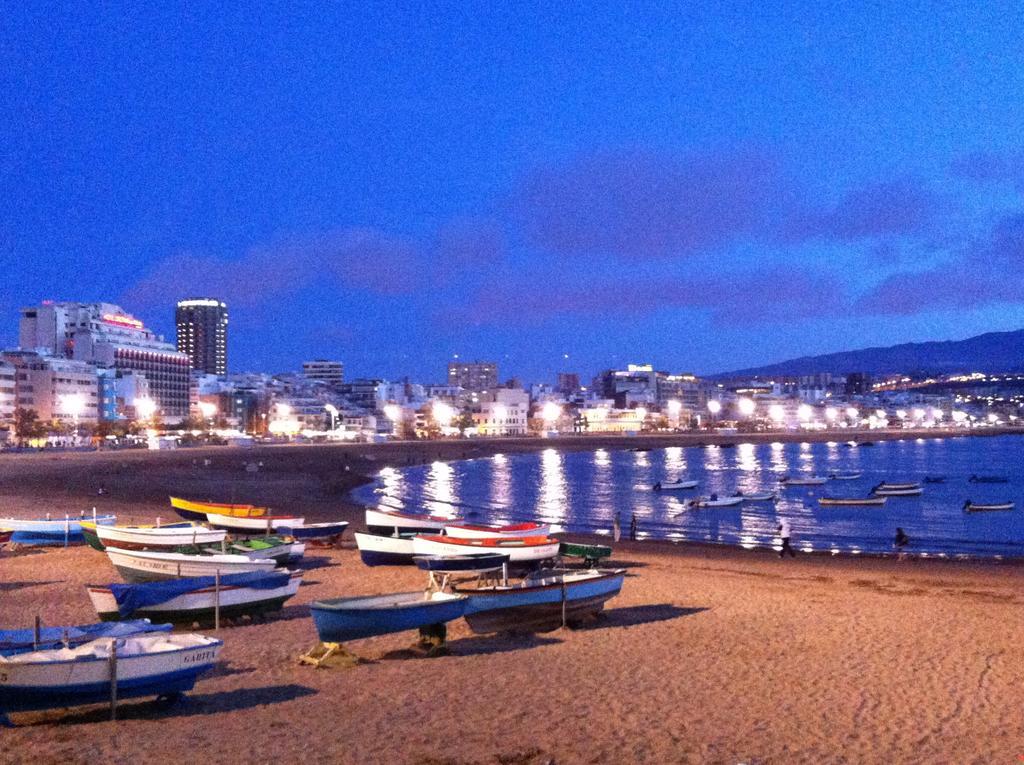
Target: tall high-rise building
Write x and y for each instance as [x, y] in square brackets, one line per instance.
[473, 375]
[203, 333]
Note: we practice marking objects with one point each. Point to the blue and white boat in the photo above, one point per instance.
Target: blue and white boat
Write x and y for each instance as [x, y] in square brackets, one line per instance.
[387, 522]
[379, 550]
[23, 641]
[313, 532]
[541, 601]
[162, 665]
[454, 564]
[51, 531]
[341, 619]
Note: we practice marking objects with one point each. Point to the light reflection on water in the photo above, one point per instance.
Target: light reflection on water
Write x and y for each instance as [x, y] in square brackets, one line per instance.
[582, 491]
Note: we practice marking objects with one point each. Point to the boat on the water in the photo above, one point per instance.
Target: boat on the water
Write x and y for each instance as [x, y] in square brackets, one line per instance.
[808, 481]
[898, 486]
[195, 510]
[541, 602]
[988, 479]
[520, 549]
[935, 479]
[264, 524]
[852, 501]
[148, 566]
[883, 490]
[23, 641]
[339, 620]
[844, 476]
[487, 531]
[380, 550]
[768, 496]
[715, 501]
[194, 599]
[147, 665]
[50, 531]
[151, 537]
[672, 485]
[388, 522]
[983, 507]
[316, 532]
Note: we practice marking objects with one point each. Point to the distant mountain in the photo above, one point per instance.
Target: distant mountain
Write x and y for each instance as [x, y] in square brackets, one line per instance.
[993, 351]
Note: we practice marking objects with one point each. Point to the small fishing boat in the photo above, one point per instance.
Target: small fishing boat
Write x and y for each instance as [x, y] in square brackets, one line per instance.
[150, 537]
[520, 549]
[673, 485]
[988, 479]
[193, 510]
[194, 599]
[590, 554]
[884, 490]
[457, 564]
[852, 501]
[844, 476]
[23, 641]
[50, 531]
[387, 522]
[339, 620]
[281, 550]
[981, 507]
[316, 532]
[714, 501]
[486, 531]
[891, 485]
[935, 479]
[264, 524]
[767, 496]
[147, 665]
[149, 566]
[380, 550]
[541, 602]
[809, 481]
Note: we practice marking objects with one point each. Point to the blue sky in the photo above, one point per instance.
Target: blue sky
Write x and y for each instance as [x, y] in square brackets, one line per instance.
[702, 187]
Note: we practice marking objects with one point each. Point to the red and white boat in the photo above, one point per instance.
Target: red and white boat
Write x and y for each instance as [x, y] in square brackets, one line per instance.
[490, 531]
[519, 549]
[392, 522]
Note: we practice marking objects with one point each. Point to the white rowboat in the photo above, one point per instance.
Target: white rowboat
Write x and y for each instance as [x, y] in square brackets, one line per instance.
[149, 566]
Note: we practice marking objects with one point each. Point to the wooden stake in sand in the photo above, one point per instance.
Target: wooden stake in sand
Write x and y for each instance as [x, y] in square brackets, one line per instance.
[113, 679]
[35, 634]
[216, 600]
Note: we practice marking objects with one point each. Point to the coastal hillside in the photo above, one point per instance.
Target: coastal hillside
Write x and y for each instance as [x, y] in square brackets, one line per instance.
[993, 351]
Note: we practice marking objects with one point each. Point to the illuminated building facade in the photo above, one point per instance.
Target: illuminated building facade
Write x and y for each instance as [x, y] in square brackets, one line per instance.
[473, 375]
[202, 330]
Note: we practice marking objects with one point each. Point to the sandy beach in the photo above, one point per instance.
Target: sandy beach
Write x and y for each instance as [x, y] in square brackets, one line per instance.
[708, 655]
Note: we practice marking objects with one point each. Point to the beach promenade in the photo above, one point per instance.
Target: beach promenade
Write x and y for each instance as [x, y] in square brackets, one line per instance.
[708, 655]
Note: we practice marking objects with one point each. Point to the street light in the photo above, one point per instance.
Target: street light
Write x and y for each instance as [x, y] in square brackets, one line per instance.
[443, 413]
[332, 410]
[804, 412]
[550, 412]
[777, 413]
[714, 406]
[74, 404]
[746, 406]
[145, 408]
[831, 413]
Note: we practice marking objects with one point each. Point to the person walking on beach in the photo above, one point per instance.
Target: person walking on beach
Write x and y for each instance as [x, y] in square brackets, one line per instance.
[786, 532]
[900, 542]
[617, 526]
[633, 528]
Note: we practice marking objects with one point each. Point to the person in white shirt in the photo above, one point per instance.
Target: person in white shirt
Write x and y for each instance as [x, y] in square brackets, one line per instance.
[785, 532]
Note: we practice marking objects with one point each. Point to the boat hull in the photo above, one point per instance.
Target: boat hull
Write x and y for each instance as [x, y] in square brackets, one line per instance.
[57, 684]
[137, 567]
[344, 619]
[267, 524]
[49, 531]
[375, 550]
[384, 523]
[199, 605]
[519, 550]
[540, 608]
[503, 532]
[868, 502]
[151, 538]
[313, 532]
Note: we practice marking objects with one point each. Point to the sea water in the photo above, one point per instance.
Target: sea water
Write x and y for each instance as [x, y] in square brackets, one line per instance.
[583, 491]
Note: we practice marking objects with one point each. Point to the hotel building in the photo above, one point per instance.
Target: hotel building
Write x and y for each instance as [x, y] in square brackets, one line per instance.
[332, 372]
[104, 335]
[202, 330]
[54, 388]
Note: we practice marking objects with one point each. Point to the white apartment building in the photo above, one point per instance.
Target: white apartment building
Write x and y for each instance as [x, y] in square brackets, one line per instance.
[55, 388]
[8, 396]
[502, 412]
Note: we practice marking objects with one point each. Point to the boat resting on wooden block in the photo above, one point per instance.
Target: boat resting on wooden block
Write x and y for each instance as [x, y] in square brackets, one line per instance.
[339, 620]
[379, 550]
[520, 549]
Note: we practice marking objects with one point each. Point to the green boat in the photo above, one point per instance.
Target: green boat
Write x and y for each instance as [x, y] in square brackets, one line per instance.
[591, 554]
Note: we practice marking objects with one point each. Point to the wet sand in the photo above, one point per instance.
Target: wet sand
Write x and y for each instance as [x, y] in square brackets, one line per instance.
[708, 655]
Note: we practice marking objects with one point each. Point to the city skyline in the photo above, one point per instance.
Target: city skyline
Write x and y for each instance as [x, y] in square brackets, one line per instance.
[705, 191]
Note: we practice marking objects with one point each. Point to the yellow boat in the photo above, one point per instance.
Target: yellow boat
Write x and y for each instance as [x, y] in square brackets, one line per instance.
[196, 511]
